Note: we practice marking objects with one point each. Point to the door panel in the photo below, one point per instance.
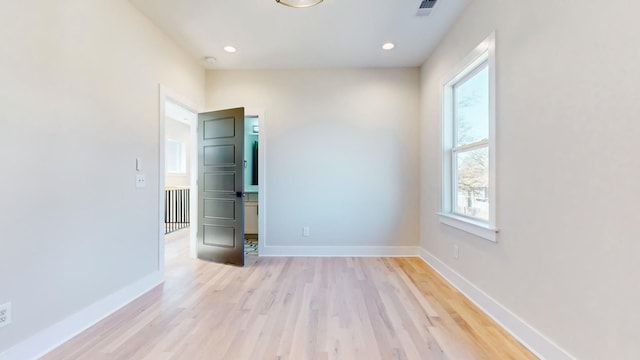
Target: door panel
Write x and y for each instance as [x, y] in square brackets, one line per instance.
[219, 128]
[220, 194]
[220, 209]
[221, 155]
[220, 182]
[219, 236]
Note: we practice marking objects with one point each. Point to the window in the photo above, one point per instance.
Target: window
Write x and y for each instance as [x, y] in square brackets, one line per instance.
[176, 157]
[468, 139]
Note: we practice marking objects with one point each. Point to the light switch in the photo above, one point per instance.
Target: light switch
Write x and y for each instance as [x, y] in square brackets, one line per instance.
[141, 181]
[138, 164]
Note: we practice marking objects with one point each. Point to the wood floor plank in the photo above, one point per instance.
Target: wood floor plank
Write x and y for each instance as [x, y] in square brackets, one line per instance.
[295, 308]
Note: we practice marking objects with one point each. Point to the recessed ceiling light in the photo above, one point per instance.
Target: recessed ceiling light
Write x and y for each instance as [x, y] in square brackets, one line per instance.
[210, 59]
[388, 46]
[229, 49]
[299, 3]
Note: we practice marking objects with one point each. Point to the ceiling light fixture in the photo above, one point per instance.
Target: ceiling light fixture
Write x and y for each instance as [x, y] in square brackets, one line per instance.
[230, 49]
[299, 3]
[388, 46]
[210, 60]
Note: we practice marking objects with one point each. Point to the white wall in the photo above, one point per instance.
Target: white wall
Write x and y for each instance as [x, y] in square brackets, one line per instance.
[177, 130]
[568, 106]
[78, 104]
[342, 152]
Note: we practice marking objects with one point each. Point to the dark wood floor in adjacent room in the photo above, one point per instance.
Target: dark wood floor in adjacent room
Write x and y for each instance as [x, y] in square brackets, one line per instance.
[295, 308]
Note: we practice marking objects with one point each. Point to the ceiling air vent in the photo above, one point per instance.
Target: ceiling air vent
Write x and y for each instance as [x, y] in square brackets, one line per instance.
[425, 7]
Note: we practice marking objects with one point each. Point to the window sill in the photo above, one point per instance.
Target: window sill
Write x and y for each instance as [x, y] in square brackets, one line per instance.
[471, 226]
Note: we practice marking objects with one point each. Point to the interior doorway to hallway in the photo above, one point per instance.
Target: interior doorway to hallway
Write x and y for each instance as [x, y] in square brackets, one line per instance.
[179, 150]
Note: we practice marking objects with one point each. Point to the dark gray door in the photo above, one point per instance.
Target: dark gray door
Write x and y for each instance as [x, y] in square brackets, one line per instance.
[220, 186]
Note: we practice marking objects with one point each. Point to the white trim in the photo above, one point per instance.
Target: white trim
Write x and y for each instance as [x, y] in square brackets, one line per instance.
[484, 52]
[493, 188]
[49, 339]
[473, 146]
[477, 56]
[349, 251]
[478, 228]
[166, 94]
[531, 338]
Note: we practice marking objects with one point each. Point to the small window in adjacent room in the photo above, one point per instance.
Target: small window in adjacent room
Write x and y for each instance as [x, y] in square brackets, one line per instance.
[176, 157]
[468, 154]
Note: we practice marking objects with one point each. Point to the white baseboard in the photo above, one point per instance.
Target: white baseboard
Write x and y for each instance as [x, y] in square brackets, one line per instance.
[348, 251]
[518, 328]
[48, 339]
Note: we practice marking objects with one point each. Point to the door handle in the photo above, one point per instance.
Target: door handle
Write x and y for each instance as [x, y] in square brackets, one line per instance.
[239, 194]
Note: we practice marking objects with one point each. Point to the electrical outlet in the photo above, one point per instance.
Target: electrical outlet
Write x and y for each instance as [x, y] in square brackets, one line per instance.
[456, 251]
[305, 231]
[141, 181]
[5, 314]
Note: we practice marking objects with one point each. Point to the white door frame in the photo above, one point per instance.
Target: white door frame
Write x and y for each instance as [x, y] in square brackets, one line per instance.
[166, 94]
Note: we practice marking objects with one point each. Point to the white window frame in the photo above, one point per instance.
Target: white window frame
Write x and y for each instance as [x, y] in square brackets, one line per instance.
[483, 53]
[180, 156]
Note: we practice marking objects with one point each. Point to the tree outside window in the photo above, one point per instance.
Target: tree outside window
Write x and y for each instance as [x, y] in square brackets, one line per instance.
[471, 150]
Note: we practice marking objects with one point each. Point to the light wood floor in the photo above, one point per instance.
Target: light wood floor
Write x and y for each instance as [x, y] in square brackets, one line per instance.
[295, 308]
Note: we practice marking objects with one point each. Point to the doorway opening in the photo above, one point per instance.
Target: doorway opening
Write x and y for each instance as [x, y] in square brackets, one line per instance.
[187, 245]
[251, 184]
[177, 167]
[178, 144]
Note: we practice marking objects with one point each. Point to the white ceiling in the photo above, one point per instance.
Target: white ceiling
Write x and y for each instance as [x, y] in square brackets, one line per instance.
[335, 33]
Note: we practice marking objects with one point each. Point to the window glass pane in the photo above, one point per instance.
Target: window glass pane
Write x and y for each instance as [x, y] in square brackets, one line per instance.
[471, 107]
[176, 157]
[471, 196]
